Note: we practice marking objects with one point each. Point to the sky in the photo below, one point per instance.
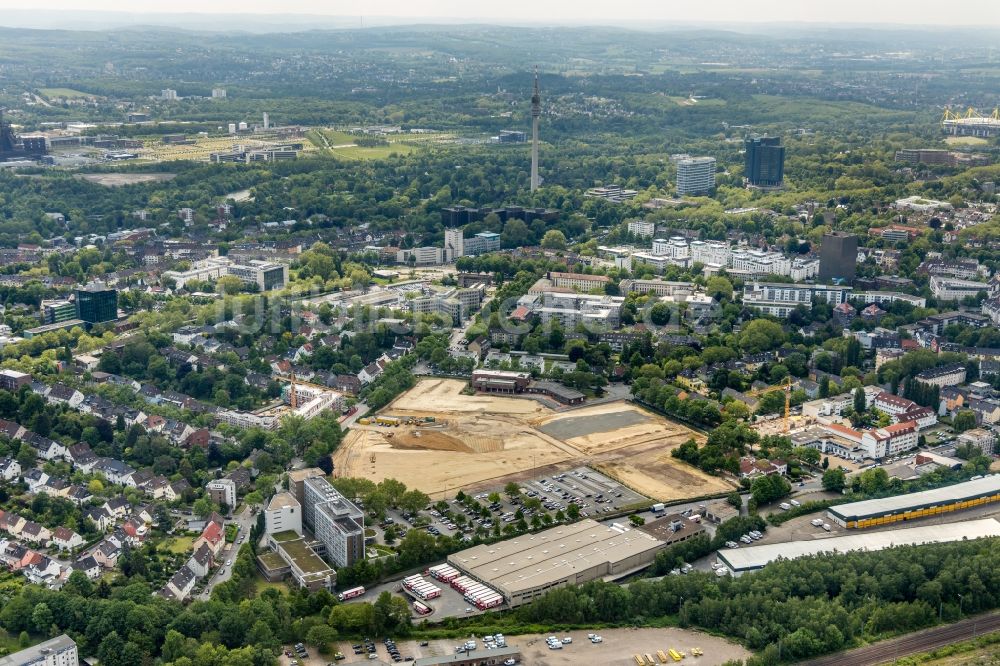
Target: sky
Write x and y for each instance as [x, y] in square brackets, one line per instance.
[913, 12]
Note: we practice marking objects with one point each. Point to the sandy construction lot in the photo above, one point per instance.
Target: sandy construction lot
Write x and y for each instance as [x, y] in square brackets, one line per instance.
[483, 439]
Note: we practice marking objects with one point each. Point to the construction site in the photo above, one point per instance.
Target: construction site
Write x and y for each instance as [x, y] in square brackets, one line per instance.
[439, 440]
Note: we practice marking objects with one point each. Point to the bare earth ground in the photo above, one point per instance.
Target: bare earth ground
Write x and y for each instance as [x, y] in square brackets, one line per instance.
[617, 649]
[490, 439]
[121, 179]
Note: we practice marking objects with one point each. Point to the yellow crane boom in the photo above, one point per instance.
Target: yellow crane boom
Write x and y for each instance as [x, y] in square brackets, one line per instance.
[786, 386]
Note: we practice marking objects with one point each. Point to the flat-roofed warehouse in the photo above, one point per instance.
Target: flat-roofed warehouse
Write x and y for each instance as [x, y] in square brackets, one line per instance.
[752, 558]
[529, 566]
[888, 510]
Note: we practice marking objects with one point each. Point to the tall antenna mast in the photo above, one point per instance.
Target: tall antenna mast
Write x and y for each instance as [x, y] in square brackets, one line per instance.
[536, 112]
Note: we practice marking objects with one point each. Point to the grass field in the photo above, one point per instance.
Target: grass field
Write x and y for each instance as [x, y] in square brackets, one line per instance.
[68, 93]
[493, 439]
[966, 141]
[260, 585]
[344, 146]
[179, 545]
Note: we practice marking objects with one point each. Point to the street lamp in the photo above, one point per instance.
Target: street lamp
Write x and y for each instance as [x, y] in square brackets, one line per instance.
[961, 601]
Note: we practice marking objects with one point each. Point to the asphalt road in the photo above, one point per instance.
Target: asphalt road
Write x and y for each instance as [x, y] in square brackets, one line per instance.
[921, 641]
[223, 571]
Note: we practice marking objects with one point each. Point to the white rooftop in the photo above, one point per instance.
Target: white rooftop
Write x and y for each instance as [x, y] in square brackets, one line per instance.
[755, 557]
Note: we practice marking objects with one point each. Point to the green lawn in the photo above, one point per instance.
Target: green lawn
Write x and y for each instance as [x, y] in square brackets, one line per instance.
[68, 93]
[260, 585]
[343, 146]
[179, 544]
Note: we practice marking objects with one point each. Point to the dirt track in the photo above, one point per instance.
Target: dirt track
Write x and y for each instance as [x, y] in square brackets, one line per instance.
[490, 440]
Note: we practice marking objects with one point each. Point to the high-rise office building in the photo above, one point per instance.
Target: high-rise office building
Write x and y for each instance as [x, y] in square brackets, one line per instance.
[695, 175]
[764, 164]
[335, 521]
[96, 303]
[55, 311]
[454, 245]
[838, 256]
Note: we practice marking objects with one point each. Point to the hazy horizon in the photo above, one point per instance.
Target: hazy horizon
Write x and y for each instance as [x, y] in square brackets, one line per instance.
[637, 13]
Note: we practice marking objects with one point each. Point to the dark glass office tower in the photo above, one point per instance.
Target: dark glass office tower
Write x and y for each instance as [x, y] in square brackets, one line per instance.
[764, 165]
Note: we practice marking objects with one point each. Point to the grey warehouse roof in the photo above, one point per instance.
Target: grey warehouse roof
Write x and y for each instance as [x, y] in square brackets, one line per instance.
[988, 485]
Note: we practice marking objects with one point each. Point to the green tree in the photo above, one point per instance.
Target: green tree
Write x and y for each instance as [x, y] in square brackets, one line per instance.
[964, 420]
[322, 636]
[554, 240]
[834, 479]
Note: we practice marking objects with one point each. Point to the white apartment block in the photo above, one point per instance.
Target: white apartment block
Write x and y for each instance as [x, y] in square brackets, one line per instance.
[283, 513]
[641, 228]
[222, 491]
[880, 297]
[715, 256]
[658, 287]
[590, 310]
[58, 651]
[890, 440]
[695, 175]
[981, 438]
[580, 281]
[246, 420]
[953, 289]
[675, 248]
[710, 253]
[265, 275]
[454, 244]
[780, 299]
[421, 256]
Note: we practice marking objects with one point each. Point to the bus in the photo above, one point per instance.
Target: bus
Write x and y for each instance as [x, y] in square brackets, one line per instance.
[421, 608]
[351, 593]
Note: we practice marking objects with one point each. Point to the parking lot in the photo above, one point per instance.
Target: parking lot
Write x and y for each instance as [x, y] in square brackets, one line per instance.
[592, 493]
[615, 649]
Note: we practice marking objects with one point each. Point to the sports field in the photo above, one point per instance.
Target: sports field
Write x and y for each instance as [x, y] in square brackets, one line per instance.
[485, 438]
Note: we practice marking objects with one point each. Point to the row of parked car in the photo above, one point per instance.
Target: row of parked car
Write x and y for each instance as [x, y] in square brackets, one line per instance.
[749, 537]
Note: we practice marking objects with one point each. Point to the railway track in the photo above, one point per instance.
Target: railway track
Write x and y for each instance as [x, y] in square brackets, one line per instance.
[921, 641]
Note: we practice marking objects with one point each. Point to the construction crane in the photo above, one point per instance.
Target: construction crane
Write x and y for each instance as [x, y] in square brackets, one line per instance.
[786, 386]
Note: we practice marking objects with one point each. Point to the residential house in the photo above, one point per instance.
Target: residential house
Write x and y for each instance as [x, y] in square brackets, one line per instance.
[751, 467]
[214, 535]
[35, 478]
[181, 583]
[200, 562]
[115, 471]
[10, 469]
[100, 517]
[64, 395]
[373, 370]
[79, 495]
[89, 566]
[157, 487]
[64, 538]
[35, 533]
[107, 554]
[844, 314]
[11, 522]
[118, 507]
[177, 490]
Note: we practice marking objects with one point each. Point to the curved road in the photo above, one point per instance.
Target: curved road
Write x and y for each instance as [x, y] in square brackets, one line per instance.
[921, 641]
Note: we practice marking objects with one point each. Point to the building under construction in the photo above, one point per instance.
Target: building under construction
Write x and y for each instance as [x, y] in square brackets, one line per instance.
[971, 123]
[13, 146]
